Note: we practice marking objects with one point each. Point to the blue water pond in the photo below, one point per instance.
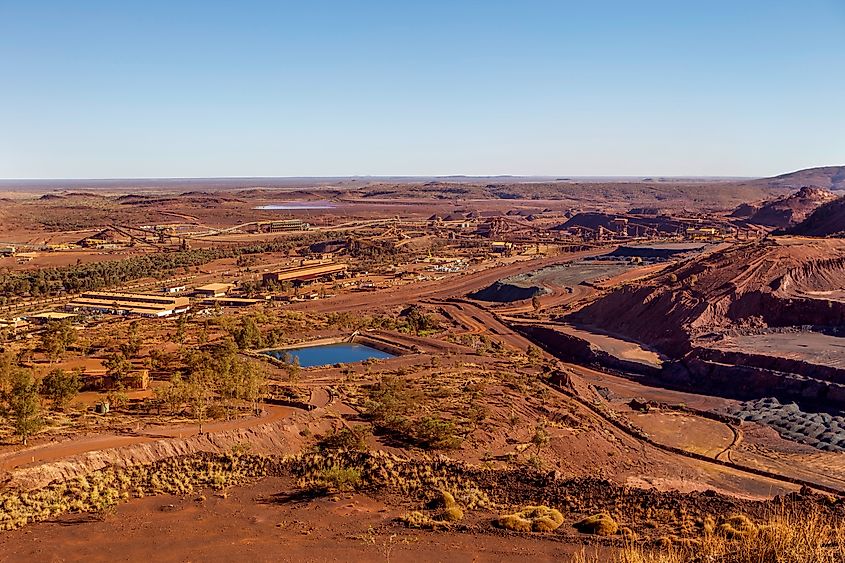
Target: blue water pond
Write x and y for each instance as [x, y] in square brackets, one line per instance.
[329, 354]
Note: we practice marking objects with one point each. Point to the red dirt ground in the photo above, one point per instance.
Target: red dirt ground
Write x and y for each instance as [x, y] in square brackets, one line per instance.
[254, 524]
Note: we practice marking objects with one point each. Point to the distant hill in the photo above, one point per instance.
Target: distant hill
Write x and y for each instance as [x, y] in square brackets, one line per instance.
[829, 177]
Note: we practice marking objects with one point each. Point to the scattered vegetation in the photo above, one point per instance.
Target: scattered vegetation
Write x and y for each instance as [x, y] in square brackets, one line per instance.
[102, 489]
[788, 536]
[212, 378]
[391, 405]
[56, 338]
[335, 479]
[379, 469]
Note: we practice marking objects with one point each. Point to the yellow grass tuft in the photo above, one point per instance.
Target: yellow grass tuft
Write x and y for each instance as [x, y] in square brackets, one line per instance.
[790, 536]
[451, 514]
[737, 526]
[531, 519]
[598, 524]
[416, 519]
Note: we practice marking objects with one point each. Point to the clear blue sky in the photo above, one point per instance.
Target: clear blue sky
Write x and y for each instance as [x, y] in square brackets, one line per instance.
[175, 88]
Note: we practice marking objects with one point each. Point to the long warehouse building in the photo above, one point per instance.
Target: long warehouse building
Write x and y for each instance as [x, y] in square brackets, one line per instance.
[129, 304]
[300, 274]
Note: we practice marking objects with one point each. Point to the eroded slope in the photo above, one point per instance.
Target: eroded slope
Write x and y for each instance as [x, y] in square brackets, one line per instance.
[773, 283]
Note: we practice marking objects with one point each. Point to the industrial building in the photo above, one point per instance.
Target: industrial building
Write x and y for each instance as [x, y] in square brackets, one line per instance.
[51, 316]
[282, 225]
[129, 304]
[501, 247]
[213, 289]
[13, 325]
[300, 274]
[702, 233]
[231, 301]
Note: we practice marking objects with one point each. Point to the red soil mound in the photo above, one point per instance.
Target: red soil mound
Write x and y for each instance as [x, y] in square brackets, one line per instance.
[788, 210]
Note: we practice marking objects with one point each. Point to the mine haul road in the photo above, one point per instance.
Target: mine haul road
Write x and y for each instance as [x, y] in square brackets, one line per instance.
[498, 329]
[453, 286]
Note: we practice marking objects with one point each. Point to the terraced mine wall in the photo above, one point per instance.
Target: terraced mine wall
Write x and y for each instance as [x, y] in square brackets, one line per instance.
[773, 363]
[724, 374]
[738, 381]
[570, 348]
[778, 311]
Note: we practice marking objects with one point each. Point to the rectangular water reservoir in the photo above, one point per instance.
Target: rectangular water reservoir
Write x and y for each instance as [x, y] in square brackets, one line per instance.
[330, 354]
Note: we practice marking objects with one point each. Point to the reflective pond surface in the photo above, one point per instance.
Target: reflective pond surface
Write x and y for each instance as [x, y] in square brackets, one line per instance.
[328, 354]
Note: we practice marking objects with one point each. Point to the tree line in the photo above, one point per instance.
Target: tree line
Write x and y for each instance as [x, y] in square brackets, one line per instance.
[48, 282]
[212, 379]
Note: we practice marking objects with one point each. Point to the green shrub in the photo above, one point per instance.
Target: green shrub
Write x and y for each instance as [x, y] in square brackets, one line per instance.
[442, 499]
[436, 433]
[354, 438]
[514, 522]
[337, 479]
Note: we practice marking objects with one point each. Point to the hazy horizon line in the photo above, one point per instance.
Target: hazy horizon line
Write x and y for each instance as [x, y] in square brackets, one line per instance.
[554, 177]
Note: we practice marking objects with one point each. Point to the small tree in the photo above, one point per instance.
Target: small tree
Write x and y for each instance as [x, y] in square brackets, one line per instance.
[541, 438]
[60, 387]
[56, 338]
[173, 395]
[294, 369]
[117, 367]
[199, 391]
[131, 347]
[253, 383]
[248, 335]
[535, 303]
[181, 328]
[25, 406]
[7, 369]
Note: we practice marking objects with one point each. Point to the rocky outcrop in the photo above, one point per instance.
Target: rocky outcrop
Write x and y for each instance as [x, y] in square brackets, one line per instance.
[744, 211]
[788, 210]
[816, 276]
[825, 221]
